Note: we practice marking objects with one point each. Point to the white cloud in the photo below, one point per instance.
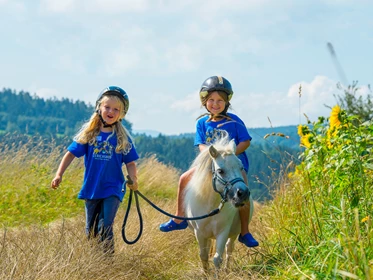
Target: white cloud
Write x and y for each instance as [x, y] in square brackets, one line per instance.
[182, 57]
[120, 62]
[57, 6]
[94, 6]
[189, 104]
[14, 8]
[118, 6]
[283, 108]
[274, 108]
[72, 65]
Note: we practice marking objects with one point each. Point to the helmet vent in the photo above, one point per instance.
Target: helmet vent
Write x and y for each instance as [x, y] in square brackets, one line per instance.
[220, 78]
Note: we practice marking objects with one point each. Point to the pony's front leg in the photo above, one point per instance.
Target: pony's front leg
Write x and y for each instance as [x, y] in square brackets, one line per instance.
[204, 250]
[221, 240]
[229, 249]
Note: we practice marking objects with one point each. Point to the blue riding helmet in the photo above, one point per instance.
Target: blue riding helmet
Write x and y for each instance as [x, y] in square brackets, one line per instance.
[216, 83]
[117, 91]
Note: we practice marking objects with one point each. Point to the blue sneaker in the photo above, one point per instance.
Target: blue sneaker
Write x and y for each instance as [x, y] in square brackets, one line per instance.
[172, 225]
[248, 240]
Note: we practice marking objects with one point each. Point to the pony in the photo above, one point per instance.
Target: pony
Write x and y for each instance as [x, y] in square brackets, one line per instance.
[217, 179]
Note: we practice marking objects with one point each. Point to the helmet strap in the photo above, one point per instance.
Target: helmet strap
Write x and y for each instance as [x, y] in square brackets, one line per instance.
[103, 121]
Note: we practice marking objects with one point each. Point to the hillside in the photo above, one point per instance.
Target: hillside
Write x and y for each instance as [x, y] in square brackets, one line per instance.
[25, 116]
[317, 226]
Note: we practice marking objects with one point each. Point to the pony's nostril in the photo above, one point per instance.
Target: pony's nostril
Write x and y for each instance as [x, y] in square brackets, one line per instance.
[242, 194]
[239, 193]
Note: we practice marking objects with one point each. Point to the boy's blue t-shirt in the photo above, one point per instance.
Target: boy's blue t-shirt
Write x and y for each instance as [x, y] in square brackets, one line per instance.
[207, 132]
[103, 175]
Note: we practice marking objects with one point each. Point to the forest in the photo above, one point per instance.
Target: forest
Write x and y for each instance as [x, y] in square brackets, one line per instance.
[26, 115]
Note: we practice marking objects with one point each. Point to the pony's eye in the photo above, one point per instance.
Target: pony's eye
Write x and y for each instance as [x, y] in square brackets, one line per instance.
[220, 171]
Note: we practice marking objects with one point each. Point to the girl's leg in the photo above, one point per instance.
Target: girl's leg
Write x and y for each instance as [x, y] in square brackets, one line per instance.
[245, 211]
[245, 236]
[92, 212]
[178, 224]
[183, 182]
[109, 210]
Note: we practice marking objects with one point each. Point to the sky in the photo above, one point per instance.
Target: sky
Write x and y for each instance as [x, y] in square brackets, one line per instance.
[161, 51]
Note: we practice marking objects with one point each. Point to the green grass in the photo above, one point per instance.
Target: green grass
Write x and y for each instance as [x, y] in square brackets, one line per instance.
[318, 226]
[25, 193]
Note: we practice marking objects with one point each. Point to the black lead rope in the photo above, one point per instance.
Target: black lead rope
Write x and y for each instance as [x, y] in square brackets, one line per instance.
[138, 193]
[126, 217]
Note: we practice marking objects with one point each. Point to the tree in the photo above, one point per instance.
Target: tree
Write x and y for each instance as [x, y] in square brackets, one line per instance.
[354, 105]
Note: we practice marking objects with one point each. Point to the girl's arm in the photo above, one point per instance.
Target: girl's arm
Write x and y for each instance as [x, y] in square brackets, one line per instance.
[65, 162]
[242, 146]
[132, 172]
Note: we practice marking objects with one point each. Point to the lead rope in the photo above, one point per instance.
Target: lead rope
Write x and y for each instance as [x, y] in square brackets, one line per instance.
[138, 193]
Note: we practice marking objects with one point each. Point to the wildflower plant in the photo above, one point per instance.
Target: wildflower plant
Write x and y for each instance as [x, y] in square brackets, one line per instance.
[327, 227]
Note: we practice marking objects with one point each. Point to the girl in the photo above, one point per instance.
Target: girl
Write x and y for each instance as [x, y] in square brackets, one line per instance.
[215, 94]
[105, 145]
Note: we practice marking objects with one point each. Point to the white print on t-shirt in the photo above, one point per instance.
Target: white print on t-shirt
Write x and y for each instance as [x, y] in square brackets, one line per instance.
[103, 150]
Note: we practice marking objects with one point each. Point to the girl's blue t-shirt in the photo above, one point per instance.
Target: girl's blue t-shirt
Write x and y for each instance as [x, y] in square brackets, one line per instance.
[207, 132]
[103, 175]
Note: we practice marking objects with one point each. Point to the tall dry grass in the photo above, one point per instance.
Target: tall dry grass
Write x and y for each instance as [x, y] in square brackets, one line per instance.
[42, 234]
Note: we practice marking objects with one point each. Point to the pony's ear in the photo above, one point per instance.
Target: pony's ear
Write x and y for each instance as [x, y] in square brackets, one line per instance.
[232, 146]
[213, 152]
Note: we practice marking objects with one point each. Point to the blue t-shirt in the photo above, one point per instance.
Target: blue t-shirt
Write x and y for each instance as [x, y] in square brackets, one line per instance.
[103, 175]
[207, 132]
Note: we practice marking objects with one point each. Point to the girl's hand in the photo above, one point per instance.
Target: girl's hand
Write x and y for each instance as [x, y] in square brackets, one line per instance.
[56, 182]
[132, 184]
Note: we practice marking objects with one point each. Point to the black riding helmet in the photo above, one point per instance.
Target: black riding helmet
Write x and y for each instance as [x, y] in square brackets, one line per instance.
[216, 83]
[117, 91]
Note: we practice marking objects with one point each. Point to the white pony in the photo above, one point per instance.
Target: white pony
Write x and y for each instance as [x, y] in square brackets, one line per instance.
[217, 178]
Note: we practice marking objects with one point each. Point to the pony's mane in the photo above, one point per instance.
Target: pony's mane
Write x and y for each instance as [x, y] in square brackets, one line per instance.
[202, 176]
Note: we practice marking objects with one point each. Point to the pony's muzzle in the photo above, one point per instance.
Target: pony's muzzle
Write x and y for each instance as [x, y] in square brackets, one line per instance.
[240, 196]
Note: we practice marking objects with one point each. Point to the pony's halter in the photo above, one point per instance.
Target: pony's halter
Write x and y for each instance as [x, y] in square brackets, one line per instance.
[227, 184]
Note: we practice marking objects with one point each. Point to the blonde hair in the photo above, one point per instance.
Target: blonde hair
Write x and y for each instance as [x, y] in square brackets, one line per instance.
[89, 130]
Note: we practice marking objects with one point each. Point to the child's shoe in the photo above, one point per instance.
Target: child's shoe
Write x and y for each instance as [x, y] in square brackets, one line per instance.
[172, 225]
[248, 240]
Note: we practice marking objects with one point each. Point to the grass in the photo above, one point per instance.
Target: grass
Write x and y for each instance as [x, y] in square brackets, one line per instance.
[318, 226]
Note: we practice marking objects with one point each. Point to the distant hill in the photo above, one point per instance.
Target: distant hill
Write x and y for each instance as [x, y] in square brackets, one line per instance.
[23, 116]
[147, 132]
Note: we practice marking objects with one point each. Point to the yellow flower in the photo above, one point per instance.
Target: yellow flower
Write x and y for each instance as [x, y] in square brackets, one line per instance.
[365, 219]
[300, 130]
[303, 130]
[335, 117]
[305, 140]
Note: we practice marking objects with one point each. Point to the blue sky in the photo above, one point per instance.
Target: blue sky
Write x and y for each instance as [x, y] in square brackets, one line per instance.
[160, 52]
